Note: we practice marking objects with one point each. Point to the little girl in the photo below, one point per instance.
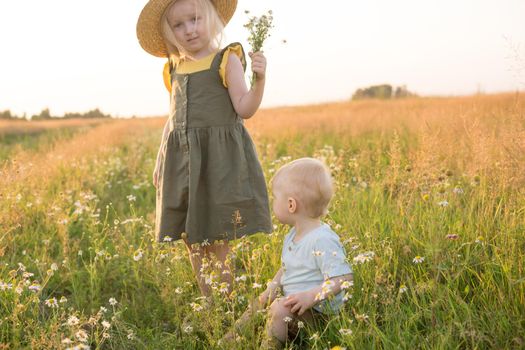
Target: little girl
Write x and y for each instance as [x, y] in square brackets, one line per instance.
[210, 185]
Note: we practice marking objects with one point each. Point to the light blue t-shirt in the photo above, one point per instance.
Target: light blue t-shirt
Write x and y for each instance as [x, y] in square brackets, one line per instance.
[318, 256]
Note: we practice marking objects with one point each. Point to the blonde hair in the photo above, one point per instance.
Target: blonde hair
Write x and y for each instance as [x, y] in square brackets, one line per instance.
[309, 181]
[212, 22]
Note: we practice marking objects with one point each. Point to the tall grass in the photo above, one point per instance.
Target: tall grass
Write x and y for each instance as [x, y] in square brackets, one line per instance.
[430, 206]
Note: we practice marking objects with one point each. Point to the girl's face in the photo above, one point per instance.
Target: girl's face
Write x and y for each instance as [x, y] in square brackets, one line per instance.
[188, 28]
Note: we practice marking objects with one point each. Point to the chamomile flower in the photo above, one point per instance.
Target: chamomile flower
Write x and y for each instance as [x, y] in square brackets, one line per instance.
[52, 303]
[418, 259]
[345, 331]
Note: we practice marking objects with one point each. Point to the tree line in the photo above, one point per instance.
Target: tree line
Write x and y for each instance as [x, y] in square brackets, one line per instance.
[384, 91]
[45, 114]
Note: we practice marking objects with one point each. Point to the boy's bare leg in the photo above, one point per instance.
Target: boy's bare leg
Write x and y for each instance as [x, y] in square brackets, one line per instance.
[277, 326]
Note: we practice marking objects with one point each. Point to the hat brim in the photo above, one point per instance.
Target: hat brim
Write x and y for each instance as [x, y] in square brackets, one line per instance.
[149, 28]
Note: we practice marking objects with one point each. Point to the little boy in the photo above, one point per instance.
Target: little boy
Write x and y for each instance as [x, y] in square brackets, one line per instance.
[313, 262]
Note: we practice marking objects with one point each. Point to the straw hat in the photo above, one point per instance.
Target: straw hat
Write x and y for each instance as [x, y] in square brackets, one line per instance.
[149, 28]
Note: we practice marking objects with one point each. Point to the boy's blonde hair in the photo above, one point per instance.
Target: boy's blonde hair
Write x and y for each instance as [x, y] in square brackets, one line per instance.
[212, 22]
[309, 181]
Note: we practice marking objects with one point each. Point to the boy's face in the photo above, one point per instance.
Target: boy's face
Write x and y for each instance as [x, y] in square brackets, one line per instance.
[188, 28]
[281, 203]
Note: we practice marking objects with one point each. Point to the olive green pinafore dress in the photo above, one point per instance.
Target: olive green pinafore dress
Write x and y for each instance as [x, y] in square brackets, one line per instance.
[211, 184]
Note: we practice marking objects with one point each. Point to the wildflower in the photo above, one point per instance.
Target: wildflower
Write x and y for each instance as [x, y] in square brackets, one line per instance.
[452, 236]
[337, 347]
[188, 329]
[426, 197]
[167, 239]
[138, 254]
[106, 335]
[287, 319]
[361, 317]
[35, 287]
[5, 286]
[402, 289]
[196, 307]
[54, 267]
[52, 303]
[256, 285]
[103, 309]
[82, 336]
[345, 331]
[66, 341]
[240, 278]
[223, 287]
[72, 321]
[364, 257]
[178, 290]
[63, 300]
[106, 324]
[131, 335]
[113, 301]
[346, 284]
[300, 324]
[131, 198]
[458, 190]
[418, 259]
[443, 204]
[315, 336]
[259, 31]
[347, 296]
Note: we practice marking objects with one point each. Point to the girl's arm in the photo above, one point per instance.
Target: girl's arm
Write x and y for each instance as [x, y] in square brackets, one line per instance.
[303, 301]
[161, 149]
[246, 102]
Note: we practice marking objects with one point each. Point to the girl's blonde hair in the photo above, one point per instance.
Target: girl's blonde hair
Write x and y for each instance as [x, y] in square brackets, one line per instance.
[308, 180]
[212, 23]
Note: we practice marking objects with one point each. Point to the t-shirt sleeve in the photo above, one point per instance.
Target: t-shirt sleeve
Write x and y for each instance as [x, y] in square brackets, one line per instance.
[167, 76]
[330, 256]
[235, 49]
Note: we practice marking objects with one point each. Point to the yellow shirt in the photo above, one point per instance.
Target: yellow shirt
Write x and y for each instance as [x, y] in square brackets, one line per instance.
[188, 66]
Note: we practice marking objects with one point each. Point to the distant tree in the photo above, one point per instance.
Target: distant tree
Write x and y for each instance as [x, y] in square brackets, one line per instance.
[44, 115]
[402, 91]
[95, 113]
[384, 91]
[6, 115]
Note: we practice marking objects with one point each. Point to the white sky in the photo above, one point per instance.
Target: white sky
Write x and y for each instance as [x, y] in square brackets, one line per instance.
[73, 56]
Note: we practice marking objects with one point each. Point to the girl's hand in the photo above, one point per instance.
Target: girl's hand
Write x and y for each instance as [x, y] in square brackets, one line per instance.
[301, 302]
[156, 176]
[258, 65]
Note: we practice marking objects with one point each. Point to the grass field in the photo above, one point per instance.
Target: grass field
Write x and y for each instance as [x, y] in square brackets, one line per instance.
[430, 206]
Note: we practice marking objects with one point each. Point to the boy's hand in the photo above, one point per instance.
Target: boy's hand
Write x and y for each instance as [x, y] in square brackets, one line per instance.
[301, 302]
[258, 64]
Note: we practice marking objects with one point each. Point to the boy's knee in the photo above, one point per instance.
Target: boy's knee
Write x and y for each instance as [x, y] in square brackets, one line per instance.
[278, 310]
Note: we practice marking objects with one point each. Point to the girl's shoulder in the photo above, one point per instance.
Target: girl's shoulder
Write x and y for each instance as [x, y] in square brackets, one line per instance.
[231, 49]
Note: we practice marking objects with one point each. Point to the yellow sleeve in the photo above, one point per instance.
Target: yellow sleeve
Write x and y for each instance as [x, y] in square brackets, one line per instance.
[235, 48]
[167, 76]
